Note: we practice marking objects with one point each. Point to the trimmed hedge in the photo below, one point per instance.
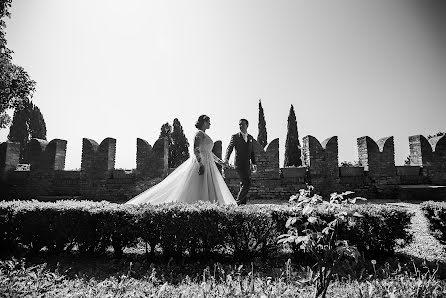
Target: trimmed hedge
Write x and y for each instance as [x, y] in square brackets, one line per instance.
[182, 229]
[436, 214]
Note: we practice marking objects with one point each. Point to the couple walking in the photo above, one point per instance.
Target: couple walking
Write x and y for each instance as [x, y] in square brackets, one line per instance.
[198, 178]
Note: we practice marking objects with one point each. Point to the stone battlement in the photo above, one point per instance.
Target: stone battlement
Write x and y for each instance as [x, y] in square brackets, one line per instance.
[376, 177]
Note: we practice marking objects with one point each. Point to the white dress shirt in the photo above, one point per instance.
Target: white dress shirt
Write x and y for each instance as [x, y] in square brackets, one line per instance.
[245, 136]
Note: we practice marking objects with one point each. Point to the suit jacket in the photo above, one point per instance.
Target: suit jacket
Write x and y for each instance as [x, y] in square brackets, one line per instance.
[244, 151]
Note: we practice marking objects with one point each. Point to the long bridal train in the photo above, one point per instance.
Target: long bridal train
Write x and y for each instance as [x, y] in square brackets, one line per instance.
[185, 185]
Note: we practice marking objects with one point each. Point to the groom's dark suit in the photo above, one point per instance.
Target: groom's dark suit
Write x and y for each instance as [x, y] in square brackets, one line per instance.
[244, 155]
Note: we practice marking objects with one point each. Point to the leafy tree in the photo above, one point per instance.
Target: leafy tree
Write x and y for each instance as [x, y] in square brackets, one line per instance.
[15, 83]
[292, 144]
[407, 161]
[438, 134]
[179, 151]
[262, 137]
[27, 123]
[349, 164]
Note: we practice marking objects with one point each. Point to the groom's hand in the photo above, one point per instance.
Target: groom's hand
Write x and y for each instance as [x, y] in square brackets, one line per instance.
[201, 170]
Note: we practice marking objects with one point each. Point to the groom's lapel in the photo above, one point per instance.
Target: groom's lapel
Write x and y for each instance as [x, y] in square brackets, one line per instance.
[241, 137]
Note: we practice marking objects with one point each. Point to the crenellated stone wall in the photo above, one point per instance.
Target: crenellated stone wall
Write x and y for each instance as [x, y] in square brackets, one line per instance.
[267, 182]
[98, 159]
[9, 158]
[47, 156]
[376, 177]
[97, 180]
[378, 158]
[152, 162]
[322, 162]
[430, 155]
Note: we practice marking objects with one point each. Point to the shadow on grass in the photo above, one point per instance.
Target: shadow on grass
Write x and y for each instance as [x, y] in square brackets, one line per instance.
[137, 265]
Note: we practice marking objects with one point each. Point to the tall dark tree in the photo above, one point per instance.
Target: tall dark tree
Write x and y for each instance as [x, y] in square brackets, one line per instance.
[15, 83]
[27, 123]
[37, 124]
[292, 145]
[180, 145]
[19, 130]
[262, 137]
[166, 132]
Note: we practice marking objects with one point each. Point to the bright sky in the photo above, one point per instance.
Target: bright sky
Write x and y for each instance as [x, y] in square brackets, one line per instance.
[121, 69]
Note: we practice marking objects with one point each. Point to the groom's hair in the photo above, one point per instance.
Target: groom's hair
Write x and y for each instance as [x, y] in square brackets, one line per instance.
[246, 121]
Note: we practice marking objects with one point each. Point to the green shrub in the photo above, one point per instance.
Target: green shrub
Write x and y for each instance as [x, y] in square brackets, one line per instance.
[380, 230]
[251, 231]
[376, 235]
[180, 229]
[436, 214]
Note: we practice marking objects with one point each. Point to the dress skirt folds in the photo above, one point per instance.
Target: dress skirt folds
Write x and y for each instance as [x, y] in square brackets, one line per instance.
[185, 185]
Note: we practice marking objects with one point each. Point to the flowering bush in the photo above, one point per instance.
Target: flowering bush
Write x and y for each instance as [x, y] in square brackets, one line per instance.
[321, 238]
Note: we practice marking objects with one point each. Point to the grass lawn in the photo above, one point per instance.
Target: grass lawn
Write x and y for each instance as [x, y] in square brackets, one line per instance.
[417, 270]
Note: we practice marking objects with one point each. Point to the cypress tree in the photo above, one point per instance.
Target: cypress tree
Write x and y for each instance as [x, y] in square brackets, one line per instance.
[27, 123]
[180, 145]
[166, 132]
[292, 145]
[262, 137]
[19, 130]
[37, 124]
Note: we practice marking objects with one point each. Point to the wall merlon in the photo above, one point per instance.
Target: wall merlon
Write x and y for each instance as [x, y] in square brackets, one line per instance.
[97, 159]
[378, 158]
[9, 157]
[47, 156]
[431, 155]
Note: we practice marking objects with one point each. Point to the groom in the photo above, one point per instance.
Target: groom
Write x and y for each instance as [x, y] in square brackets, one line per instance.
[244, 156]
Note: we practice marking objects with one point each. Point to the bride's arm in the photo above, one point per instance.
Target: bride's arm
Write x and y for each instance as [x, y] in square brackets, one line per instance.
[197, 141]
[217, 160]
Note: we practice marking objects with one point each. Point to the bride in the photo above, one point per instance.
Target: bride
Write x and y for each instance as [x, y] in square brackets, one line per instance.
[197, 179]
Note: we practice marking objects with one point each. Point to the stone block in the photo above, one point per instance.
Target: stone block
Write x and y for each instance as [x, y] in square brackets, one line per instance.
[351, 171]
[408, 170]
[294, 172]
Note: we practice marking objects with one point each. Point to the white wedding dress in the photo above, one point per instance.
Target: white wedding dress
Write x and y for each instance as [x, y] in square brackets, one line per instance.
[185, 185]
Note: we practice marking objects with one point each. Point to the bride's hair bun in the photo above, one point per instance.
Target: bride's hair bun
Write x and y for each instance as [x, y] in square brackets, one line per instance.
[202, 119]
